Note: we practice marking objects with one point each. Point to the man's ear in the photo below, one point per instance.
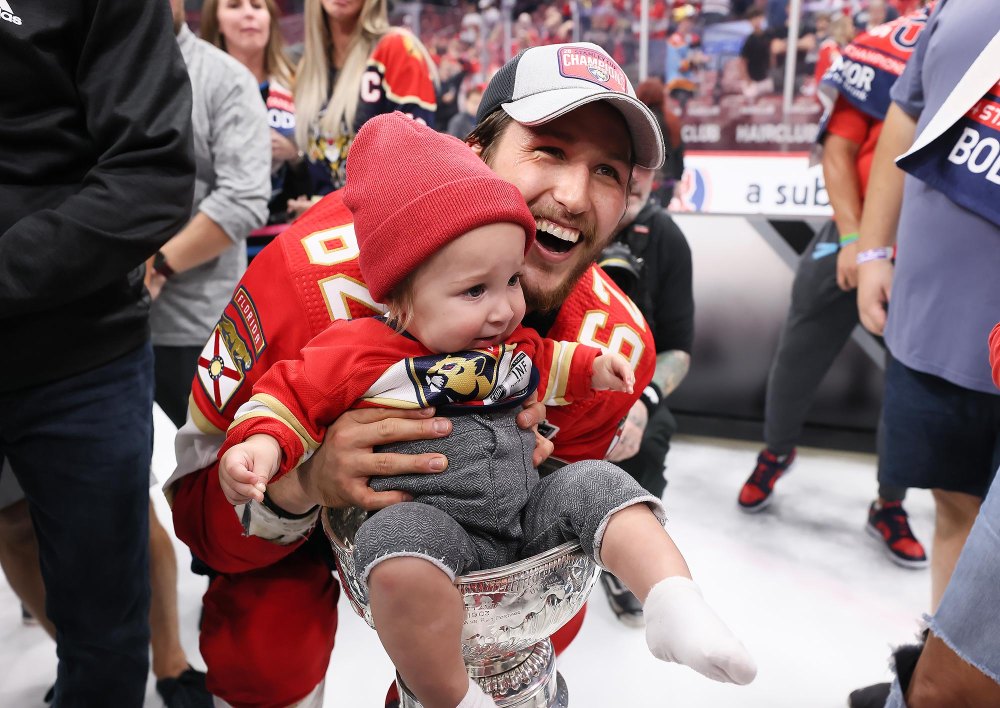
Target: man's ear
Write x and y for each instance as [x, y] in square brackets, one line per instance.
[476, 147]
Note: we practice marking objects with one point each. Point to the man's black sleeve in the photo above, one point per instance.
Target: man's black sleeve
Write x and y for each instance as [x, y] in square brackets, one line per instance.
[136, 101]
[673, 299]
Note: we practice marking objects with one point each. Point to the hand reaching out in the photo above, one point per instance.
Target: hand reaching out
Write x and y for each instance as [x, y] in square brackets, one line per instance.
[245, 469]
[612, 371]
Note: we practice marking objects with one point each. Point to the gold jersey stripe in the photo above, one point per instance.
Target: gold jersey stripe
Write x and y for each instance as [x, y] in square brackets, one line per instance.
[270, 407]
[200, 421]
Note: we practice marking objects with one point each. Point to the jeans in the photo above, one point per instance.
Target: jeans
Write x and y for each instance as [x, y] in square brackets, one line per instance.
[968, 620]
[175, 369]
[938, 435]
[81, 450]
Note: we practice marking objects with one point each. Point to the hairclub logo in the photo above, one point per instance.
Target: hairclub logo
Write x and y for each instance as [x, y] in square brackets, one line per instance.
[7, 13]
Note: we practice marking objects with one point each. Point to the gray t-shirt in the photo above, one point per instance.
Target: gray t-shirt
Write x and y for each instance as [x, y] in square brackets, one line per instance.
[946, 290]
[232, 147]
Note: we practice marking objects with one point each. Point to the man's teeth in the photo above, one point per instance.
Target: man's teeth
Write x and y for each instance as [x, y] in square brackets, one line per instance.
[561, 232]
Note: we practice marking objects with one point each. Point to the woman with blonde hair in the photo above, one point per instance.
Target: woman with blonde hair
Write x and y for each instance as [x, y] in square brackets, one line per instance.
[355, 66]
[249, 31]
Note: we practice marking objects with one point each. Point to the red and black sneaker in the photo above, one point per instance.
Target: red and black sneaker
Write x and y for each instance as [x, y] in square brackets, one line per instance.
[758, 489]
[890, 525]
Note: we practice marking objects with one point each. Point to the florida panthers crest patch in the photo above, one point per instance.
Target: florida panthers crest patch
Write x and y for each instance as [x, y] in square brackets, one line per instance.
[223, 363]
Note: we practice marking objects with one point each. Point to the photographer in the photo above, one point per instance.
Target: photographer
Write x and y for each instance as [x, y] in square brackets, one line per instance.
[650, 260]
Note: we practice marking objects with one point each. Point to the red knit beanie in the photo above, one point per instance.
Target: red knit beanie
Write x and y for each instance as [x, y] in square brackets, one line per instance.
[413, 190]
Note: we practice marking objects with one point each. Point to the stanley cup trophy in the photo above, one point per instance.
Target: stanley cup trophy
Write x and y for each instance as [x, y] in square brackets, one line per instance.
[510, 612]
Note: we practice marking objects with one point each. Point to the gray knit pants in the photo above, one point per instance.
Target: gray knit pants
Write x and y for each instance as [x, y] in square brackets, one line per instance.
[489, 507]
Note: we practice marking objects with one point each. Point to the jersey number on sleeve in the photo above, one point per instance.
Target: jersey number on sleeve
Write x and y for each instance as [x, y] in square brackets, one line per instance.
[332, 247]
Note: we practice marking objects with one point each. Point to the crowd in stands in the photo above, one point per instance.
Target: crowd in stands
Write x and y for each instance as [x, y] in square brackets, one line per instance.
[728, 53]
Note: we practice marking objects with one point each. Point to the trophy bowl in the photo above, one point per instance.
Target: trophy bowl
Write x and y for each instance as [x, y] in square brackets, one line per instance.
[510, 612]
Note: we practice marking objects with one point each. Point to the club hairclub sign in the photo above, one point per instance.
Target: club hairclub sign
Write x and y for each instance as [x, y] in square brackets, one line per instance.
[591, 65]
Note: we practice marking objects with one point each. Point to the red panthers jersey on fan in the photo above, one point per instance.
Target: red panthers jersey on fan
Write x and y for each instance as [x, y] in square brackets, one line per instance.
[309, 275]
[397, 78]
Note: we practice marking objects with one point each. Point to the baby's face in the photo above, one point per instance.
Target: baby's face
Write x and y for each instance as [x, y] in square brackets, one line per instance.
[468, 295]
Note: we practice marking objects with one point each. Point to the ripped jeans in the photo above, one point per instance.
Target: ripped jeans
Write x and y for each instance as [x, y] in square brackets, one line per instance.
[968, 619]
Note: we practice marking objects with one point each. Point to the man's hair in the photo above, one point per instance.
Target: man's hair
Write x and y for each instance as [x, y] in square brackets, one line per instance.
[754, 12]
[487, 133]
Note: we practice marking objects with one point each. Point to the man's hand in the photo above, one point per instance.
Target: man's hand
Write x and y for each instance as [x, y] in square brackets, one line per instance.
[155, 284]
[874, 289]
[847, 267]
[337, 474]
[300, 205]
[283, 149]
[631, 438]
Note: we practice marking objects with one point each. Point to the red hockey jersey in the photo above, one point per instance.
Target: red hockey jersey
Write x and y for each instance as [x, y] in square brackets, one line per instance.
[365, 363]
[309, 276]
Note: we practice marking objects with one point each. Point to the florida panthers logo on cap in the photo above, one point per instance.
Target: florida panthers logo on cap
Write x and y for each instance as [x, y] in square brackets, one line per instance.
[591, 65]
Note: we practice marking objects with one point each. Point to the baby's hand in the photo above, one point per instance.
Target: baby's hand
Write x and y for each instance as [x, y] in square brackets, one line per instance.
[246, 468]
[612, 371]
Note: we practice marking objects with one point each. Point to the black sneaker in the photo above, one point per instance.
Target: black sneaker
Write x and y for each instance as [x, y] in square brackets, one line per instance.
[904, 662]
[757, 491]
[890, 525]
[873, 696]
[185, 691]
[624, 604]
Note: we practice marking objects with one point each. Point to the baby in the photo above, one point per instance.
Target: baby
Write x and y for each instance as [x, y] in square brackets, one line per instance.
[442, 242]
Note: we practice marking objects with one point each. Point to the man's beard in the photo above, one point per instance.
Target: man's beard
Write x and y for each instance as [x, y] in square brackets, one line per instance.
[538, 301]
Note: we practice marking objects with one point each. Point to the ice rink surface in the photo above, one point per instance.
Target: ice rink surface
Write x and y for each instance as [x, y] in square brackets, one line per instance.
[809, 592]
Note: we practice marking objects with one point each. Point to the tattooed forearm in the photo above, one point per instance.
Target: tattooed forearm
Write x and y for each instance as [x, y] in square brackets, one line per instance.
[671, 368]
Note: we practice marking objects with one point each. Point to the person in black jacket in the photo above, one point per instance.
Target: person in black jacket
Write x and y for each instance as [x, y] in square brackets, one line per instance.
[96, 173]
[651, 261]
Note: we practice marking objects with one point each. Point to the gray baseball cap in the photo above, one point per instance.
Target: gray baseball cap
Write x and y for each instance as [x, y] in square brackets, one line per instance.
[542, 83]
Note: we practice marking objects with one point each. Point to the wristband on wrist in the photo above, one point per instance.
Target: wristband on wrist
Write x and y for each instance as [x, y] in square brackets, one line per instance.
[651, 397]
[848, 238]
[875, 254]
[161, 266]
[281, 513]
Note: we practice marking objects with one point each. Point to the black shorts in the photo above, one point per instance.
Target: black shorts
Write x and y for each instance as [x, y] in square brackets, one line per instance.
[938, 435]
